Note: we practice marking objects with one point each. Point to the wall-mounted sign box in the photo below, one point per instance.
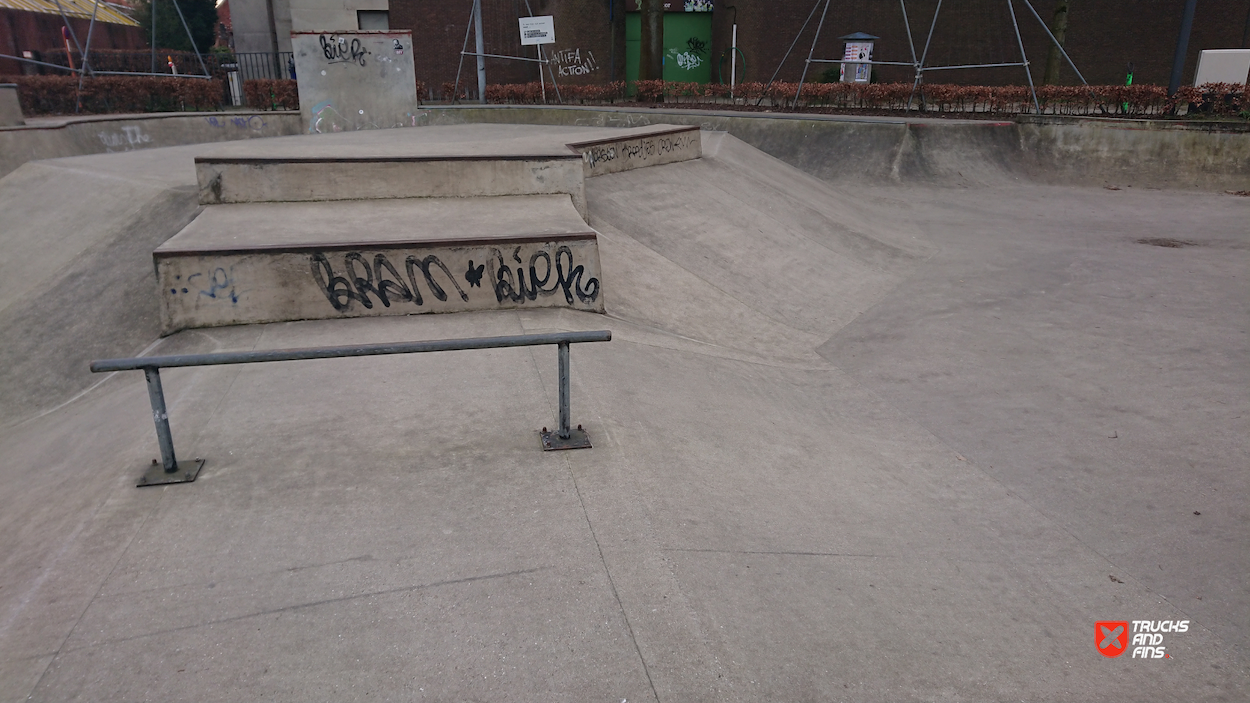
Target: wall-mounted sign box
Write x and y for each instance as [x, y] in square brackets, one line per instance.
[858, 48]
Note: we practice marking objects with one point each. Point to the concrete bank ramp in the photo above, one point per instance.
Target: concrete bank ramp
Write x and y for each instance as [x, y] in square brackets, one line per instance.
[742, 250]
[76, 278]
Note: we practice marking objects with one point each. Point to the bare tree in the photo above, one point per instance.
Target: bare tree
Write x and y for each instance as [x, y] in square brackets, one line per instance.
[1058, 27]
[651, 48]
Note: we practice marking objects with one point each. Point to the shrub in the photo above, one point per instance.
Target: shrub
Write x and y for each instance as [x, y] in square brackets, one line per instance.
[1217, 98]
[269, 94]
[57, 95]
[140, 61]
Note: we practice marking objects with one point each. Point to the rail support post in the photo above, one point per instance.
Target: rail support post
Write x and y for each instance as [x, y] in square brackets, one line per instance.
[565, 437]
[169, 470]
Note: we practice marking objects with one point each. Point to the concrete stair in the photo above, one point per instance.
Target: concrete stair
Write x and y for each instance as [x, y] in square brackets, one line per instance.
[397, 222]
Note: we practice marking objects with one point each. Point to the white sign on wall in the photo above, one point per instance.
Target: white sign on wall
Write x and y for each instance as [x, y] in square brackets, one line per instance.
[538, 30]
[1222, 66]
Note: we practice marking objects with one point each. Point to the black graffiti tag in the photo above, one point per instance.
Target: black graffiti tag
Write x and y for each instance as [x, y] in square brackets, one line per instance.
[337, 50]
[597, 154]
[512, 286]
[363, 281]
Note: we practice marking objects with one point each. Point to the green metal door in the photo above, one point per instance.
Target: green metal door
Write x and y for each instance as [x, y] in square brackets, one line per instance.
[687, 46]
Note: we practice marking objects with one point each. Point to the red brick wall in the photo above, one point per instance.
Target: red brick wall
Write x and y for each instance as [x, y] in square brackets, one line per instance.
[33, 31]
[438, 27]
[1103, 36]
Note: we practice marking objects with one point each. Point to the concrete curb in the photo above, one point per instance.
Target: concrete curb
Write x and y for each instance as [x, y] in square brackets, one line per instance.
[99, 134]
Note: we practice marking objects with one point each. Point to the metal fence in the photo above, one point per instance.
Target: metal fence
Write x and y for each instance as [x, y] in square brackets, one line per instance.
[171, 471]
[265, 65]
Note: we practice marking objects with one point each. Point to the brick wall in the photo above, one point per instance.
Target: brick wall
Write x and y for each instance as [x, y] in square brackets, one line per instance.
[1103, 36]
[584, 49]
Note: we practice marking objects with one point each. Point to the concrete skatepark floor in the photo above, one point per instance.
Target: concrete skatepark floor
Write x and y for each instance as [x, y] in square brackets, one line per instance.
[863, 443]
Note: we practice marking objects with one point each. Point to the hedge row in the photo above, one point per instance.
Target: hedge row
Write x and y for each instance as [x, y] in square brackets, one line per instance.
[140, 61]
[112, 94]
[271, 94]
[58, 95]
[1216, 98]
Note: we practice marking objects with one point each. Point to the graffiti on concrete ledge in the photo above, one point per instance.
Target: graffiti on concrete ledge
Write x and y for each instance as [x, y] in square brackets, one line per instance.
[638, 151]
[568, 281]
[369, 280]
[216, 285]
[130, 137]
[362, 282]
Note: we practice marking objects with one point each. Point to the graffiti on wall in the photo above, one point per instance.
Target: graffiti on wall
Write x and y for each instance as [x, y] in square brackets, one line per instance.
[218, 284]
[339, 50]
[355, 279]
[574, 62]
[694, 55]
[636, 153]
[252, 122]
[130, 137]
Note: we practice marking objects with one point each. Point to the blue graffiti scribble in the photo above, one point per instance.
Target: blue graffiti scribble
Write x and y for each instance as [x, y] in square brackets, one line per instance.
[221, 281]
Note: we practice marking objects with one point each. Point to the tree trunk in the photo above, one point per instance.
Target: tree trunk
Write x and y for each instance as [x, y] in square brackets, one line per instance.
[651, 49]
[1058, 27]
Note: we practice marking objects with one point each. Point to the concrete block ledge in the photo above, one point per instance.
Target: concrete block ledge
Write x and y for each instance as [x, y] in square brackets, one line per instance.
[269, 262]
[905, 149]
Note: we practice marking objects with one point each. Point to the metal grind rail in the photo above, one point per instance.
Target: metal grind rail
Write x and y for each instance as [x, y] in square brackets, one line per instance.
[172, 471]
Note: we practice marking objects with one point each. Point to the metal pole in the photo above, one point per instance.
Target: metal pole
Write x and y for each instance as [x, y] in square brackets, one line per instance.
[152, 6]
[86, 57]
[159, 414]
[86, 51]
[552, 73]
[733, 61]
[1027, 73]
[1056, 41]
[192, 39]
[924, 55]
[810, 51]
[70, 27]
[463, 49]
[38, 63]
[810, 15]
[1182, 46]
[481, 49]
[565, 412]
[542, 80]
[907, 25]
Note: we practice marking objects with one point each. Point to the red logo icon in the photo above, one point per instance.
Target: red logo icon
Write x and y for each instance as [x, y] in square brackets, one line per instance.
[1111, 637]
